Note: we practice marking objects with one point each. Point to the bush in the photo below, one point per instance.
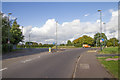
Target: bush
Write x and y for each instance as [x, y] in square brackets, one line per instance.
[77, 45]
[7, 47]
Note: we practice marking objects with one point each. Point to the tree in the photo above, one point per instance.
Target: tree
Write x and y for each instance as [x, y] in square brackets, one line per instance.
[6, 34]
[40, 44]
[109, 43]
[69, 43]
[112, 42]
[16, 33]
[83, 40]
[34, 44]
[98, 37]
[62, 44]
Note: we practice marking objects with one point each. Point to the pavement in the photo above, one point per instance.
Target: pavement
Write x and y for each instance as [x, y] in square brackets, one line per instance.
[71, 63]
[89, 67]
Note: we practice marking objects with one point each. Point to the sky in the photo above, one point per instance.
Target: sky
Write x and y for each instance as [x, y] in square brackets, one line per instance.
[74, 19]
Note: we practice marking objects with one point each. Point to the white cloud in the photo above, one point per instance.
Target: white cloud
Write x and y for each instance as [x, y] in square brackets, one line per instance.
[69, 30]
[86, 15]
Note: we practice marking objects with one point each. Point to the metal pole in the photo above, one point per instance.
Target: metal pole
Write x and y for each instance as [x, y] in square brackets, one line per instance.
[104, 33]
[22, 34]
[9, 32]
[56, 35]
[104, 27]
[29, 40]
[100, 28]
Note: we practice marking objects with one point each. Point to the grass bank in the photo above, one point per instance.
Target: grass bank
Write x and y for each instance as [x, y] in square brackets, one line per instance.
[111, 66]
[110, 50]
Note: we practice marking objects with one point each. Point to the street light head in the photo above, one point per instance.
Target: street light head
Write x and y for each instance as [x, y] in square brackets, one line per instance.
[99, 10]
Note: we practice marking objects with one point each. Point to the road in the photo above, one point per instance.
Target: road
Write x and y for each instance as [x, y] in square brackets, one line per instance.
[24, 52]
[46, 65]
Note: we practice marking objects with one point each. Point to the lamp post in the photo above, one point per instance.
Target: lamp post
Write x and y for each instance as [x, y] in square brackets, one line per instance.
[8, 31]
[104, 27]
[100, 28]
[22, 34]
[56, 35]
[29, 40]
[104, 33]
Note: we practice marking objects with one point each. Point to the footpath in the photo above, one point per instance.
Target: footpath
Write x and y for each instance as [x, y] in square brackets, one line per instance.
[89, 67]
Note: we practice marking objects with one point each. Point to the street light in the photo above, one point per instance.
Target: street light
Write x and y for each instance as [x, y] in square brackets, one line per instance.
[104, 33]
[56, 35]
[104, 27]
[100, 27]
[22, 34]
[9, 31]
[29, 40]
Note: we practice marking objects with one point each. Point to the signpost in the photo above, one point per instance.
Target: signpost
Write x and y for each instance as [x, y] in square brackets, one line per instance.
[101, 40]
[53, 43]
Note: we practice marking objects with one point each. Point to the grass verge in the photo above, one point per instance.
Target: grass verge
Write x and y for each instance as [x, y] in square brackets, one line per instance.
[111, 66]
[110, 50]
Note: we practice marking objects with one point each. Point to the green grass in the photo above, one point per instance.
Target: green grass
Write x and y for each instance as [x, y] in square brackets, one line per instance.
[16, 50]
[112, 66]
[110, 50]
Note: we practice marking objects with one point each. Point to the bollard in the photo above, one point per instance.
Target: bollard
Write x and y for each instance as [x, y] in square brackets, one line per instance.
[49, 49]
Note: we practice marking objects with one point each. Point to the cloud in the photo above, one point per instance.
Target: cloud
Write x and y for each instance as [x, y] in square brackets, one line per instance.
[86, 15]
[69, 30]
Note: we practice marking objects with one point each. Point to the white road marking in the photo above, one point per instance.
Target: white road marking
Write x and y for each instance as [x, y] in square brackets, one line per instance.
[30, 59]
[26, 60]
[3, 69]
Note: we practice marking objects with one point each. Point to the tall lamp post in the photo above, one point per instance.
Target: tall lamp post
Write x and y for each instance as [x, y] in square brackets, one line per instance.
[29, 40]
[56, 35]
[104, 33]
[9, 32]
[22, 34]
[100, 28]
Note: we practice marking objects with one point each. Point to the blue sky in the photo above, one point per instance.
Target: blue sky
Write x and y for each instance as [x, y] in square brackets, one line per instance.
[74, 18]
[37, 13]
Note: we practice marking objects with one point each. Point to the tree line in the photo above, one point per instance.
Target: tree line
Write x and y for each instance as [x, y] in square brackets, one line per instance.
[93, 41]
[34, 45]
[12, 35]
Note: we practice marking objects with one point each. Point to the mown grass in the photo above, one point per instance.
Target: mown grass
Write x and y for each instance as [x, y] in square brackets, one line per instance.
[110, 50]
[112, 65]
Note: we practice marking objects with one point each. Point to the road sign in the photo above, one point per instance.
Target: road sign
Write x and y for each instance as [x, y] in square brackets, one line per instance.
[102, 39]
[53, 43]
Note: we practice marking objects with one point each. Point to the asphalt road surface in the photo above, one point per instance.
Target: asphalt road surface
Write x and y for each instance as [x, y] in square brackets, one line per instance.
[24, 52]
[45, 65]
